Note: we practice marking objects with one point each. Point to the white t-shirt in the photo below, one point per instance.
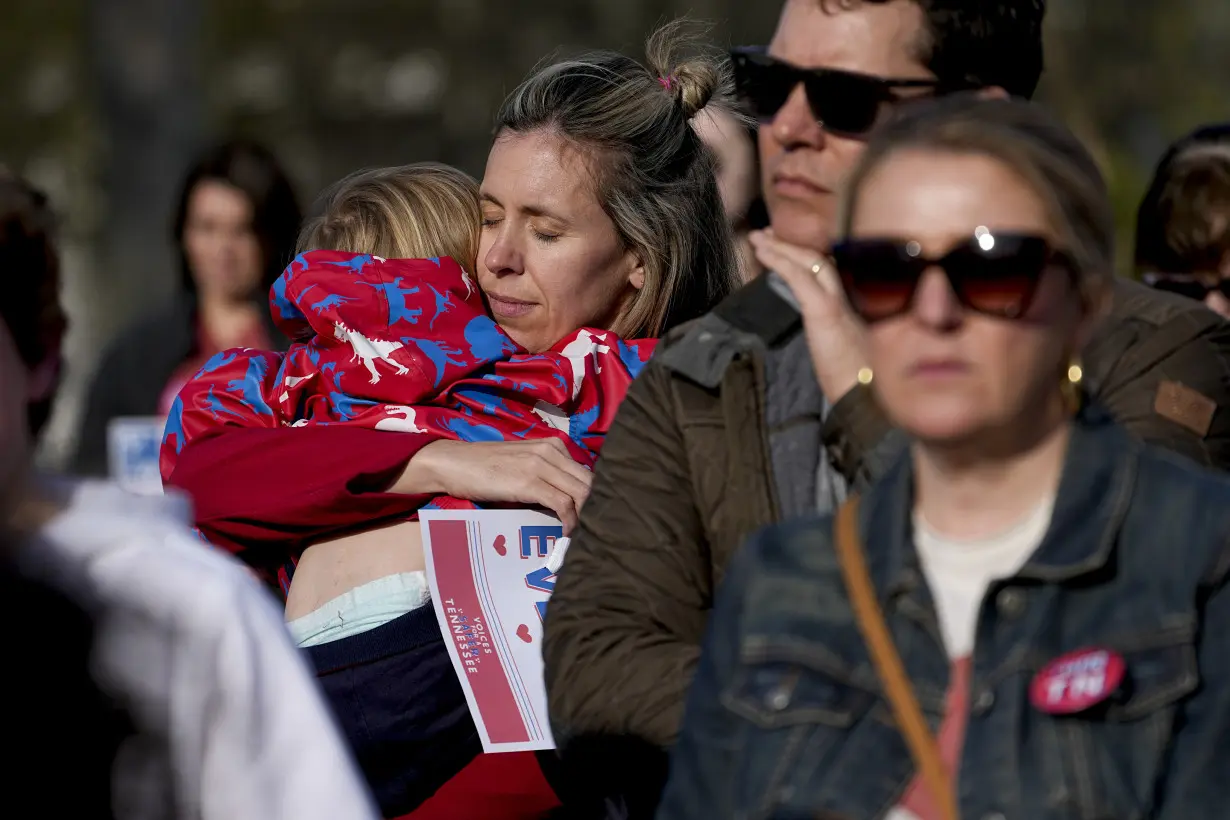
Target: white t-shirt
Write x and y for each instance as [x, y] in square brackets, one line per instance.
[958, 573]
[230, 724]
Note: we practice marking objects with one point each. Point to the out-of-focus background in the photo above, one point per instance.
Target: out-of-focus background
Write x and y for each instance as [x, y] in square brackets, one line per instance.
[105, 102]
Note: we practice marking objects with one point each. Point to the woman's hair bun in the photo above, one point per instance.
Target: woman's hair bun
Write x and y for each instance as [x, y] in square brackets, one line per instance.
[685, 67]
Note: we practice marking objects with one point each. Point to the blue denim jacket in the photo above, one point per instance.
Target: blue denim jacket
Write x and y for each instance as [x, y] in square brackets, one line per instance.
[787, 719]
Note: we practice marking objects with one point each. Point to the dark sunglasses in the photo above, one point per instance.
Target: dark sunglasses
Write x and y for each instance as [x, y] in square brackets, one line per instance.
[1189, 286]
[996, 274]
[842, 101]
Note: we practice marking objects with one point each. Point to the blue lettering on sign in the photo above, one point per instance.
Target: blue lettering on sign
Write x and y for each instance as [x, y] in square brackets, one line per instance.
[541, 580]
[545, 536]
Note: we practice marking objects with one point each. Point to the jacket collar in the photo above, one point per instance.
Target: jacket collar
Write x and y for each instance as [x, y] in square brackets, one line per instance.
[1095, 490]
[762, 314]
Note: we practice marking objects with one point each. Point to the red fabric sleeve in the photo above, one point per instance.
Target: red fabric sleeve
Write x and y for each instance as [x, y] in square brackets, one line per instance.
[283, 489]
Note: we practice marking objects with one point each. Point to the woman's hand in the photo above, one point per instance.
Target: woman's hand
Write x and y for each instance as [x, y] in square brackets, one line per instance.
[834, 333]
[538, 472]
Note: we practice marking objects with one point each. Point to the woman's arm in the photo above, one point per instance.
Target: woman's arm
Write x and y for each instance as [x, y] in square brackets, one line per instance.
[274, 488]
[285, 488]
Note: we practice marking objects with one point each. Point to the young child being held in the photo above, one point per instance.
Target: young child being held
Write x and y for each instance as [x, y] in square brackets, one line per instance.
[390, 331]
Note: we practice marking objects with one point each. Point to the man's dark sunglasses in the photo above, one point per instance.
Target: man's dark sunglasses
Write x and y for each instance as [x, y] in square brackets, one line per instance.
[995, 274]
[842, 101]
[1190, 286]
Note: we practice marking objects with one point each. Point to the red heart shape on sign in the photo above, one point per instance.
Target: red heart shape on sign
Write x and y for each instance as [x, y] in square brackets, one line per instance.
[523, 632]
[500, 549]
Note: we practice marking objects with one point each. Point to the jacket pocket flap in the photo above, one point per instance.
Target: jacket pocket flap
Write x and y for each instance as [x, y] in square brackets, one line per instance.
[781, 686]
[1156, 677]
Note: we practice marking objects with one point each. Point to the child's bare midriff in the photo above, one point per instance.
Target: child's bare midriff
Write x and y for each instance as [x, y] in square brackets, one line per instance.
[331, 568]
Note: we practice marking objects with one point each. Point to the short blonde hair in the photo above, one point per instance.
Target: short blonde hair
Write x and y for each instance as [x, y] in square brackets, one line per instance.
[408, 212]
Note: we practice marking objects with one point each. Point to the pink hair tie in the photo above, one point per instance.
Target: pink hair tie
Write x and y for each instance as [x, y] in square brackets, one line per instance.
[667, 82]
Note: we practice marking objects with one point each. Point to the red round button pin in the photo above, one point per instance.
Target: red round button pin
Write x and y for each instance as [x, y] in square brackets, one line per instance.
[1077, 681]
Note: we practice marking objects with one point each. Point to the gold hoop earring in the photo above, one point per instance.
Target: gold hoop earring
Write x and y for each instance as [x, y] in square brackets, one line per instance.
[1071, 386]
[865, 376]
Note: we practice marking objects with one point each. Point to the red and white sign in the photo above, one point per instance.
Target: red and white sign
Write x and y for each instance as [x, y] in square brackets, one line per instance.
[489, 585]
[1077, 681]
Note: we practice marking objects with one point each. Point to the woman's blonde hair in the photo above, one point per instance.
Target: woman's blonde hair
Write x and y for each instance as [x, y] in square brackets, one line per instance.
[653, 174]
[1037, 147]
[408, 212]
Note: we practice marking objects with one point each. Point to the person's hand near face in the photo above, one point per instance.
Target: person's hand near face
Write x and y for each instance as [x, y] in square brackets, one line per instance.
[834, 335]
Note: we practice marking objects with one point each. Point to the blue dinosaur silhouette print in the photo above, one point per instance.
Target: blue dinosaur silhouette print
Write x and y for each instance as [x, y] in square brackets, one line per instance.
[333, 300]
[175, 426]
[298, 264]
[355, 264]
[396, 297]
[346, 407]
[285, 307]
[217, 362]
[465, 431]
[631, 358]
[440, 354]
[509, 384]
[444, 303]
[487, 342]
[252, 386]
[215, 407]
[579, 424]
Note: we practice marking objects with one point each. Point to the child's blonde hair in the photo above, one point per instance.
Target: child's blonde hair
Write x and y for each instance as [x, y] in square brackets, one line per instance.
[408, 212]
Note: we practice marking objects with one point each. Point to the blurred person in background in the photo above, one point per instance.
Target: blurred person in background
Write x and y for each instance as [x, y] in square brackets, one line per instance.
[234, 229]
[1183, 223]
[733, 145]
[223, 719]
[1053, 590]
[757, 414]
[642, 248]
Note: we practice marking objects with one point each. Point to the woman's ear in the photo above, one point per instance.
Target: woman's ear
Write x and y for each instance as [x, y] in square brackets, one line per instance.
[636, 277]
[993, 92]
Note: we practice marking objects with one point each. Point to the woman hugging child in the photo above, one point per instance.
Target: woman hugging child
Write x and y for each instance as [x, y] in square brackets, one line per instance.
[391, 332]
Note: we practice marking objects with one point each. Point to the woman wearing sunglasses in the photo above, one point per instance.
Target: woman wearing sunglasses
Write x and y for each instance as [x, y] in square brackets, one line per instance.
[1022, 618]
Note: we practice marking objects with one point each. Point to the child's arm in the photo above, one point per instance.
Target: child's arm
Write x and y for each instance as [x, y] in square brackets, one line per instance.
[235, 388]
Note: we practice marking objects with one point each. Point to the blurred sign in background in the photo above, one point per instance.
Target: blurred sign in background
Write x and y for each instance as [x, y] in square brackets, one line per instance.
[104, 102]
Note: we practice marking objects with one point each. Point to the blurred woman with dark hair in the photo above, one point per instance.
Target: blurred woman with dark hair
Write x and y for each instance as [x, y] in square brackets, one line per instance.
[234, 227]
